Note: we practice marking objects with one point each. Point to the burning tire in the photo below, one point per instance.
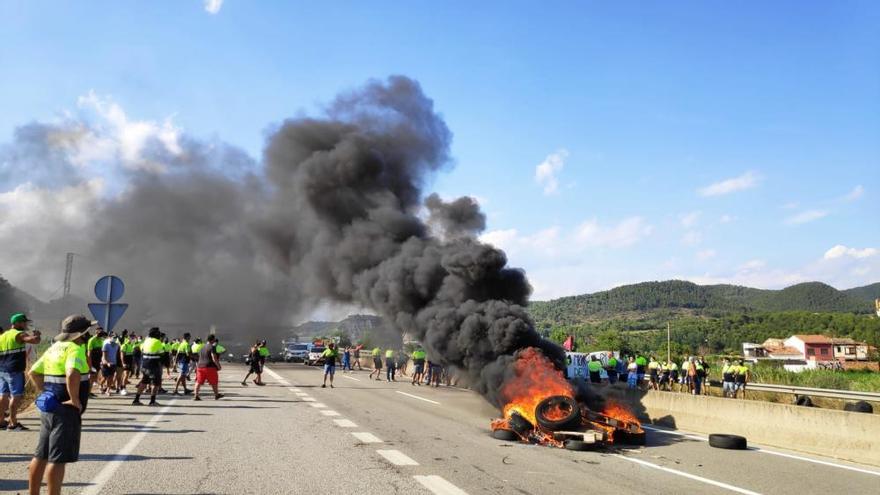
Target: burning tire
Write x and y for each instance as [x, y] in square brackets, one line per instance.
[629, 437]
[578, 445]
[558, 413]
[724, 441]
[506, 435]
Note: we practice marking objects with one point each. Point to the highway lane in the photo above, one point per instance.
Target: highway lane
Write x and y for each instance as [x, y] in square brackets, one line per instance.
[295, 437]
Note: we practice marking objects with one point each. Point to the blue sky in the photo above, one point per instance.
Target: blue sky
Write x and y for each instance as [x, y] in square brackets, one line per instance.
[710, 141]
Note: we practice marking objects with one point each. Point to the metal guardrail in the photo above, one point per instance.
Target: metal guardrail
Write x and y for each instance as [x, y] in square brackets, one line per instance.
[815, 392]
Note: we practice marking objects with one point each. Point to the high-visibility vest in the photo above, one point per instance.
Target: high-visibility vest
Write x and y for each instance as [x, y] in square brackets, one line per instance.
[12, 352]
[152, 350]
[389, 353]
[594, 366]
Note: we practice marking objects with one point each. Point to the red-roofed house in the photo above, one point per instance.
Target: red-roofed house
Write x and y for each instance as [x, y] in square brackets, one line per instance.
[813, 347]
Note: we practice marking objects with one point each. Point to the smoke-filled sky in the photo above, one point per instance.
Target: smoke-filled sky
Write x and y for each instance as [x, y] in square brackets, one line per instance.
[604, 143]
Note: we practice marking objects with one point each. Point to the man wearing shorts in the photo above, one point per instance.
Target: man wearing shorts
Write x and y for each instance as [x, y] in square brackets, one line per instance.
[13, 357]
[377, 363]
[182, 358]
[330, 354]
[208, 367]
[62, 371]
[151, 367]
[418, 357]
[109, 362]
[93, 349]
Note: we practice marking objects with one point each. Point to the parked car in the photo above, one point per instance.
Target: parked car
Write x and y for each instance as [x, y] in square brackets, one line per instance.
[296, 353]
[314, 357]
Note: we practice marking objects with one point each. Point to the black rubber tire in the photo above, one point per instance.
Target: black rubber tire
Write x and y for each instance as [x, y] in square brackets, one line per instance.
[520, 424]
[629, 438]
[804, 400]
[725, 441]
[860, 406]
[506, 435]
[578, 445]
[570, 422]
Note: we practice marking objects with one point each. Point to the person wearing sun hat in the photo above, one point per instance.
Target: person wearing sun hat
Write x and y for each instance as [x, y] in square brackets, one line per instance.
[13, 357]
[62, 374]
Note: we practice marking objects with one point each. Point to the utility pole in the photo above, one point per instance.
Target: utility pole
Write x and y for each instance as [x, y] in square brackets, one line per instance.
[668, 339]
[68, 273]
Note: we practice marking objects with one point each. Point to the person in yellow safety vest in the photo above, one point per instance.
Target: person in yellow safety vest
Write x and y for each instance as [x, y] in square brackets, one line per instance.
[127, 351]
[740, 379]
[727, 378]
[390, 365]
[419, 357]
[595, 369]
[654, 373]
[377, 363]
[673, 373]
[62, 375]
[611, 369]
[664, 376]
[13, 361]
[151, 373]
[194, 352]
[136, 370]
[93, 353]
[686, 375]
[182, 361]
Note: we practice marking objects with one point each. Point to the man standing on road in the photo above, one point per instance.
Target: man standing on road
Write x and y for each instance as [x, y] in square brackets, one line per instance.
[62, 373]
[356, 355]
[418, 357]
[183, 358]
[740, 379]
[93, 348]
[594, 367]
[208, 368]
[330, 354]
[389, 365]
[641, 364]
[377, 363]
[402, 360]
[151, 369]
[256, 369]
[611, 369]
[726, 378]
[13, 360]
[109, 362]
[346, 360]
[127, 360]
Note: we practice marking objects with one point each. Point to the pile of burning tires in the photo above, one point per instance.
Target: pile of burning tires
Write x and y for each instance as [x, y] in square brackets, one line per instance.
[560, 421]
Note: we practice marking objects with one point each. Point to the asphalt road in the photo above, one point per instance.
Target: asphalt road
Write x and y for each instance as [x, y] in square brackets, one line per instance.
[370, 437]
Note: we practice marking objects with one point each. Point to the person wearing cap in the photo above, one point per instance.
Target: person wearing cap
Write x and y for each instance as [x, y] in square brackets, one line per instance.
[62, 374]
[152, 350]
[13, 357]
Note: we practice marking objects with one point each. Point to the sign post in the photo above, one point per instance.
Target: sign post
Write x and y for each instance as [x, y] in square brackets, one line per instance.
[108, 290]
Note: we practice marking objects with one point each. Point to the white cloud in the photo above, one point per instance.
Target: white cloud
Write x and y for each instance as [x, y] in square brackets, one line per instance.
[547, 171]
[706, 254]
[692, 238]
[726, 219]
[747, 180]
[213, 6]
[840, 250]
[855, 194]
[626, 233]
[688, 220]
[806, 217]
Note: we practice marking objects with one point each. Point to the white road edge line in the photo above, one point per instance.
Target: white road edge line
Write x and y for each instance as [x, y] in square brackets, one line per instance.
[366, 437]
[110, 468]
[439, 486]
[417, 397]
[772, 452]
[328, 412]
[273, 374]
[345, 423]
[317, 405]
[397, 458]
[301, 394]
[307, 399]
[688, 475]
[294, 390]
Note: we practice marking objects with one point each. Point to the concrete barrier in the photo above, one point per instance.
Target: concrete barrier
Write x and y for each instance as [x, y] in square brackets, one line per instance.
[839, 434]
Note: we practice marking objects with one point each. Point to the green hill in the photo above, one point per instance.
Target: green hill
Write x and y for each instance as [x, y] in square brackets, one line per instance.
[681, 297]
[867, 293]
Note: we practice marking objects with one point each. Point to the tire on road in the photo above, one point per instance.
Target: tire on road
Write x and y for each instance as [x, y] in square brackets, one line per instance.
[630, 438]
[567, 405]
[725, 441]
[505, 435]
[804, 400]
[578, 445]
[860, 406]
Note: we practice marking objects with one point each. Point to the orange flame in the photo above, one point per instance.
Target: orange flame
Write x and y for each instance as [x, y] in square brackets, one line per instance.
[619, 412]
[535, 378]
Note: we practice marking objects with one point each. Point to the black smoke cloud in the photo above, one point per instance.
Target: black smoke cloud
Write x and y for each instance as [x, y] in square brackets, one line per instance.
[336, 214]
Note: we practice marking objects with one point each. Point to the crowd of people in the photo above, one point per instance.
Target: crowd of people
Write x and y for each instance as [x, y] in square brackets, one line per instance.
[78, 366]
[691, 376]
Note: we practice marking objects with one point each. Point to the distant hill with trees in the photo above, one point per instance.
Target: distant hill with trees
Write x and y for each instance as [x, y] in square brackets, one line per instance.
[688, 298]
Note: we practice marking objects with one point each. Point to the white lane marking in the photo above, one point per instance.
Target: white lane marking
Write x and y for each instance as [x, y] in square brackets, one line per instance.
[772, 452]
[317, 405]
[307, 399]
[688, 475]
[817, 461]
[345, 423]
[302, 394]
[417, 397]
[330, 413]
[273, 374]
[439, 486]
[294, 390]
[110, 468]
[351, 378]
[366, 437]
[397, 458]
